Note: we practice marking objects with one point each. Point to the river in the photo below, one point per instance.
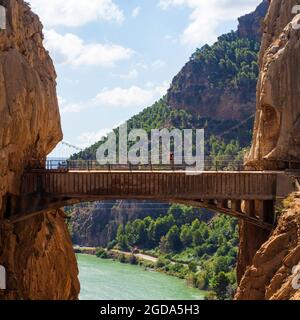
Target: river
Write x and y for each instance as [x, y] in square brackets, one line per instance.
[110, 280]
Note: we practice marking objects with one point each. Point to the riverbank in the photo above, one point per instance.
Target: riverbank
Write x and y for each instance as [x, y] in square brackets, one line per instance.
[167, 267]
[114, 253]
[106, 279]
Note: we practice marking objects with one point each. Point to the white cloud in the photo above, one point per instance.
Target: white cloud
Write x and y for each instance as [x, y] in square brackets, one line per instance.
[66, 107]
[136, 12]
[72, 50]
[158, 64]
[141, 65]
[207, 16]
[75, 13]
[131, 75]
[88, 138]
[130, 97]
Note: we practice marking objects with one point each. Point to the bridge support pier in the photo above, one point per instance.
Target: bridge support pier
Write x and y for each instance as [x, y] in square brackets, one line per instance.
[251, 236]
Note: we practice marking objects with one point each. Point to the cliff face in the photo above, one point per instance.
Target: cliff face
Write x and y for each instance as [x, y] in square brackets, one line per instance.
[271, 274]
[276, 134]
[29, 115]
[277, 125]
[251, 25]
[39, 258]
[219, 88]
[35, 252]
[96, 224]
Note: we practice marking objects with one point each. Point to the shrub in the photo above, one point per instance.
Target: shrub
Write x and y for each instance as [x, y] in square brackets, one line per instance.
[161, 263]
[101, 253]
[210, 296]
[111, 245]
[201, 280]
[122, 258]
[133, 260]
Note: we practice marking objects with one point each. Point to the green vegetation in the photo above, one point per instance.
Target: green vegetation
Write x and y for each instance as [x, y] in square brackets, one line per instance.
[161, 116]
[230, 62]
[190, 244]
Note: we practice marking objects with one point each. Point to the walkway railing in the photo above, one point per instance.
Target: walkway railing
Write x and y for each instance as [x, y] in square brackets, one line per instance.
[93, 165]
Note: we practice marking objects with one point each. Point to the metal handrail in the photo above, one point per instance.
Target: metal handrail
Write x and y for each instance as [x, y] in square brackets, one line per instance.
[93, 165]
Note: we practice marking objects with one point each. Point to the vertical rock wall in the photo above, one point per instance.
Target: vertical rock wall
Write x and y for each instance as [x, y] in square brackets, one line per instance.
[37, 253]
[269, 274]
[276, 139]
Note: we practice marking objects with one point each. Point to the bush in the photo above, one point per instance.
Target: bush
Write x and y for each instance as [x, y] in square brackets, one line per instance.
[122, 258]
[191, 279]
[101, 253]
[201, 280]
[193, 266]
[220, 283]
[210, 296]
[111, 245]
[161, 263]
[133, 260]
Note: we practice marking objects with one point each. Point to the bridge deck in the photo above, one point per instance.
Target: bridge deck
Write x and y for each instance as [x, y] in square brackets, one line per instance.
[160, 185]
[221, 191]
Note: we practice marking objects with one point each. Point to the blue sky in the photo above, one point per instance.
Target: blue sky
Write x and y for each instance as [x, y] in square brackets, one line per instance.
[116, 57]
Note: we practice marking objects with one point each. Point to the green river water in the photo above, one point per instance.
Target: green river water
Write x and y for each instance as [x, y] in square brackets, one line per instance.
[110, 280]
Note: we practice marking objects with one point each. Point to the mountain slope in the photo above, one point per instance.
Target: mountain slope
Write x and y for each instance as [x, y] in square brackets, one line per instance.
[230, 76]
[220, 80]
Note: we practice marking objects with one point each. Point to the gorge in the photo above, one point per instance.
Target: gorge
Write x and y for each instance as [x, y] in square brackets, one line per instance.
[30, 129]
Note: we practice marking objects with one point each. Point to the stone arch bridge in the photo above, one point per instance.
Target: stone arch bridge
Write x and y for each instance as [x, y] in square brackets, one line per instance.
[248, 195]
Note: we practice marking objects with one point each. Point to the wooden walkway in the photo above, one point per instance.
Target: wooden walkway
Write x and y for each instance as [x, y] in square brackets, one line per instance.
[247, 195]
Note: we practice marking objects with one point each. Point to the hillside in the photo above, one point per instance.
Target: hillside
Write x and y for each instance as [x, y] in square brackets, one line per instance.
[220, 80]
[227, 135]
[215, 90]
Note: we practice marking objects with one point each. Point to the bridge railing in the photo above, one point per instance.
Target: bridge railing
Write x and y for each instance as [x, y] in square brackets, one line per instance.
[93, 165]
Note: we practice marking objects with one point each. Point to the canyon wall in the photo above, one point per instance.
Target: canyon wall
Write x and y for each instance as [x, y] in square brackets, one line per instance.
[277, 126]
[269, 274]
[37, 253]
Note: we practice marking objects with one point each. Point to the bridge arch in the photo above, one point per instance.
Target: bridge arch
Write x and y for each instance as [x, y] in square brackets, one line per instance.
[250, 196]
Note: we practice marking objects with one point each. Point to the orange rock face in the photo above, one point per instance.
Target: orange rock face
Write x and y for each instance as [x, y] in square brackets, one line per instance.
[277, 126]
[37, 253]
[271, 277]
[269, 274]
[39, 258]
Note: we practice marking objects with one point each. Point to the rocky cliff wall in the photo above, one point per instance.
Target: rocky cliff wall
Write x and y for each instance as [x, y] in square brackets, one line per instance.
[269, 274]
[271, 277]
[37, 253]
[277, 126]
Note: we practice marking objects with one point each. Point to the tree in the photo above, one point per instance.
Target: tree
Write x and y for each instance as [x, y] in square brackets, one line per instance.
[197, 238]
[123, 243]
[163, 245]
[120, 232]
[173, 239]
[219, 283]
[193, 267]
[160, 227]
[186, 236]
[122, 238]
